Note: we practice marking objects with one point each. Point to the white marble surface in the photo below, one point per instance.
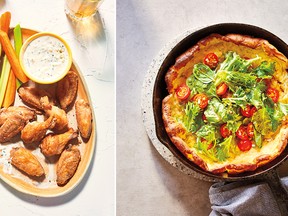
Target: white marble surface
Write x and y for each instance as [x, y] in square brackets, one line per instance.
[146, 183]
[93, 49]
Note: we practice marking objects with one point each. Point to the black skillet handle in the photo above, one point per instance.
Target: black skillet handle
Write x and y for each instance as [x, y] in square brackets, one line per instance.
[279, 191]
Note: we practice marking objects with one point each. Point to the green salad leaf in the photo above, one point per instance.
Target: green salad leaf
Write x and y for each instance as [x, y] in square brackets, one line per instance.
[203, 73]
[192, 119]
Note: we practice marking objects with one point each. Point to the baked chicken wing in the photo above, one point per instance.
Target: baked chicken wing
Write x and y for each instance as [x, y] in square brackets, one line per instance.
[59, 114]
[23, 112]
[24, 160]
[67, 164]
[13, 120]
[35, 131]
[54, 144]
[32, 95]
[84, 118]
[11, 127]
[66, 90]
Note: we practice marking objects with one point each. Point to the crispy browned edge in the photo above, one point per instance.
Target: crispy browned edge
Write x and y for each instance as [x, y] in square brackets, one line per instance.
[173, 128]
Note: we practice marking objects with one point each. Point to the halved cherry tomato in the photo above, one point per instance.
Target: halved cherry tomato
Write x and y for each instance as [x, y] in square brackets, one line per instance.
[224, 131]
[204, 118]
[201, 99]
[250, 130]
[211, 60]
[244, 145]
[273, 94]
[210, 146]
[221, 89]
[183, 92]
[241, 133]
[248, 111]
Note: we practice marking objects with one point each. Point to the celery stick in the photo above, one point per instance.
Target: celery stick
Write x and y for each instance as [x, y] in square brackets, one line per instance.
[17, 45]
[4, 78]
[17, 39]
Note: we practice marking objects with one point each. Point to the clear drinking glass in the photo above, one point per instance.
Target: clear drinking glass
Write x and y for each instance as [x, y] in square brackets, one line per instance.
[81, 9]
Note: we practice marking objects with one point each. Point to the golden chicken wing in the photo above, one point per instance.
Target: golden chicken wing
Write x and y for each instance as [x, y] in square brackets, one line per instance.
[24, 160]
[84, 118]
[23, 112]
[32, 95]
[66, 90]
[59, 114]
[67, 164]
[11, 127]
[54, 144]
[35, 131]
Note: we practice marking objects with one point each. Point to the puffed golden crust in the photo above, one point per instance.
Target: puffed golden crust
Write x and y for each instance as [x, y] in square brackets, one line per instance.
[182, 69]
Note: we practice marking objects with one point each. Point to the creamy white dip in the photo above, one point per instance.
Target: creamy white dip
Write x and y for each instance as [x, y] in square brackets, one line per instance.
[45, 58]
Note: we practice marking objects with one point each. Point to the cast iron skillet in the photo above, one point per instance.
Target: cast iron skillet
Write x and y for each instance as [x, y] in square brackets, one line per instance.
[267, 172]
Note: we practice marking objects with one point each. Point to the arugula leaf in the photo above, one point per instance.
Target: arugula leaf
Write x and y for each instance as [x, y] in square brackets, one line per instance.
[225, 148]
[193, 118]
[257, 139]
[233, 62]
[203, 73]
[256, 97]
[208, 132]
[265, 70]
[195, 85]
[262, 122]
[238, 98]
[202, 147]
[215, 111]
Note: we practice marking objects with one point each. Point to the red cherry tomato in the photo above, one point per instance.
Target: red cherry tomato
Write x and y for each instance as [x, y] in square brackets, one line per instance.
[241, 133]
[204, 117]
[221, 89]
[224, 131]
[244, 145]
[211, 60]
[253, 110]
[210, 146]
[183, 92]
[273, 94]
[201, 99]
[248, 111]
[250, 130]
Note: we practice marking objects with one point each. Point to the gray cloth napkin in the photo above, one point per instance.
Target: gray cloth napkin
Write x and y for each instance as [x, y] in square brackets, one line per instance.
[245, 198]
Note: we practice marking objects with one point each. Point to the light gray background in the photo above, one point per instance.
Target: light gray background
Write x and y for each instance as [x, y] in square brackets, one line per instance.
[146, 183]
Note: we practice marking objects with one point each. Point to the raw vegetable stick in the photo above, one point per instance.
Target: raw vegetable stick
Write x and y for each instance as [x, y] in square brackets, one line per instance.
[5, 21]
[12, 57]
[4, 78]
[10, 91]
[12, 82]
[18, 42]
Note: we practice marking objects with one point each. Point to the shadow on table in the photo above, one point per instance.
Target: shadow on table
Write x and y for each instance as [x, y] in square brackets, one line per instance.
[90, 30]
[59, 200]
[192, 193]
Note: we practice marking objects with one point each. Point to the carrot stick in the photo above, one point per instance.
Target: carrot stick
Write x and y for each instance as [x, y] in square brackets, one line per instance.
[5, 21]
[10, 91]
[12, 57]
